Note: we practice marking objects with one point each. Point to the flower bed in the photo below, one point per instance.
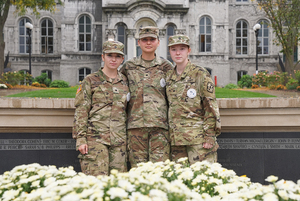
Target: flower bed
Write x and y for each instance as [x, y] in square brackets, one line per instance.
[150, 181]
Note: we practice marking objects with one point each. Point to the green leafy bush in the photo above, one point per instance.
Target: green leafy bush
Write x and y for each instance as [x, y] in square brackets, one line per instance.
[292, 84]
[59, 84]
[274, 78]
[35, 84]
[246, 81]
[297, 75]
[260, 78]
[231, 86]
[43, 79]
[15, 78]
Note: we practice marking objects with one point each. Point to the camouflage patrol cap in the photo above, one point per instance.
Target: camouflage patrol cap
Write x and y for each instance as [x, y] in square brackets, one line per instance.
[148, 31]
[111, 46]
[179, 39]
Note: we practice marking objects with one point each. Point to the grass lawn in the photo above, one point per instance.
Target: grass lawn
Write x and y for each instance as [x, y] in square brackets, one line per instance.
[49, 93]
[70, 93]
[231, 93]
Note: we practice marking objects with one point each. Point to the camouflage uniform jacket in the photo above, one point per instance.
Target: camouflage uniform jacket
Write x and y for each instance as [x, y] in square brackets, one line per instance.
[147, 80]
[193, 111]
[100, 113]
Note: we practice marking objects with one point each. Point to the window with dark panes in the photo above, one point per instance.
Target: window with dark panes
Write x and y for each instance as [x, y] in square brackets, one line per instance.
[47, 36]
[23, 36]
[205, 34]
[241, 38]
[170, 32]
[263, 38]
[121, 33]
[85, 33]
[83, 72]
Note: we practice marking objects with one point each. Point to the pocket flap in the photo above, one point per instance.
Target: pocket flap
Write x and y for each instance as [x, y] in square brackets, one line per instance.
[87, 157]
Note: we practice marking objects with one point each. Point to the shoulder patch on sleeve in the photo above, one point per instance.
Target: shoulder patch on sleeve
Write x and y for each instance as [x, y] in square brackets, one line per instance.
[79, 89]
[210, 87]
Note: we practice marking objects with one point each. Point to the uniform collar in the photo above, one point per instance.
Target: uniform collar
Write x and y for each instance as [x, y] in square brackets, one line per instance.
[104, 77]
[156, 61]
[187, 69]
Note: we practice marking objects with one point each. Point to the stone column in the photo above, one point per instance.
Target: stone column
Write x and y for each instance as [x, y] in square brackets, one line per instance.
[162, 49]
[131, 43]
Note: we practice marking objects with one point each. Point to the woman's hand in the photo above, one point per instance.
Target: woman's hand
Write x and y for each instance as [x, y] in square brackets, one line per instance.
[83, 149]
[207, 145]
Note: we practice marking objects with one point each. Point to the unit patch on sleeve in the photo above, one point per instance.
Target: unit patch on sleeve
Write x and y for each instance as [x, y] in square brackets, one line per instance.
[210, 87]
[79, 89]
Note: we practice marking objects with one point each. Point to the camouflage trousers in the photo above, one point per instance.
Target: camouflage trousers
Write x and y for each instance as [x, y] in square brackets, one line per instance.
[194, 153]
[101, 159]
[148, 144]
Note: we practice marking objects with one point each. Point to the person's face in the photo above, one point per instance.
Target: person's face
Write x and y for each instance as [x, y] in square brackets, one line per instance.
[148, 44]
[179, 53]
[112, 60]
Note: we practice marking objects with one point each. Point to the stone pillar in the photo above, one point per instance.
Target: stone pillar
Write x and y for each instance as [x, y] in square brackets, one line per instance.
[162, 49]
[131, 43]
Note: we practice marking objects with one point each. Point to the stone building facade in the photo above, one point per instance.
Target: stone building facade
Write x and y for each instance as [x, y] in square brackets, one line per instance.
[67, 44]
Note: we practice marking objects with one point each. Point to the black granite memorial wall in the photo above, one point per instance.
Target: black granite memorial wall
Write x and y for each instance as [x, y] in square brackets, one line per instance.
[256, 155]
[259, 155]
[43, 148]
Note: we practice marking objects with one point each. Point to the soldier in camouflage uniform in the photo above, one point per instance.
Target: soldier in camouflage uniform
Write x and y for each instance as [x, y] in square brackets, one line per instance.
[194, 119]
[147, 126]
[100, 115]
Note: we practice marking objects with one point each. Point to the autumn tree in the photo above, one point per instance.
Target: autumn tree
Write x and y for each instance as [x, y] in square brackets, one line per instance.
[284, 16]
[22, 6]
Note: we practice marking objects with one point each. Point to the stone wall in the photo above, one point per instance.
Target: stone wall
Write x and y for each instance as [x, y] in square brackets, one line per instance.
[237, 115]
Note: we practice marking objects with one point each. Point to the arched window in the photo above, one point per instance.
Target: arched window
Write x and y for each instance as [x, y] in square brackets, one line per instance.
[263, 38]
[241, 37]
[240, 74]
[205, 34]
[209, 70]
[47, 36]
[85, 33]
[121, 34]
[23, 36]
[170, 32]
[49, 73]
[83, 72]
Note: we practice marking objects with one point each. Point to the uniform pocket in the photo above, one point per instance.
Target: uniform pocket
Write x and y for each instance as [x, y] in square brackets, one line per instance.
[88, 157]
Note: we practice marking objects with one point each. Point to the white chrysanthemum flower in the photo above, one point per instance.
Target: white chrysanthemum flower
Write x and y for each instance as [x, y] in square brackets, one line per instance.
[69, 173]
[49, 181]
[115, 192]
[184, 159]
[187, 174]
[97, 195]
[36, 184]
[155, 193]
[86, 193]
[71, 197]
[271, 178]
[10, 194]
[126, 185]
[293, 196]
[283, 194]
[137, 196]
[63, 190]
